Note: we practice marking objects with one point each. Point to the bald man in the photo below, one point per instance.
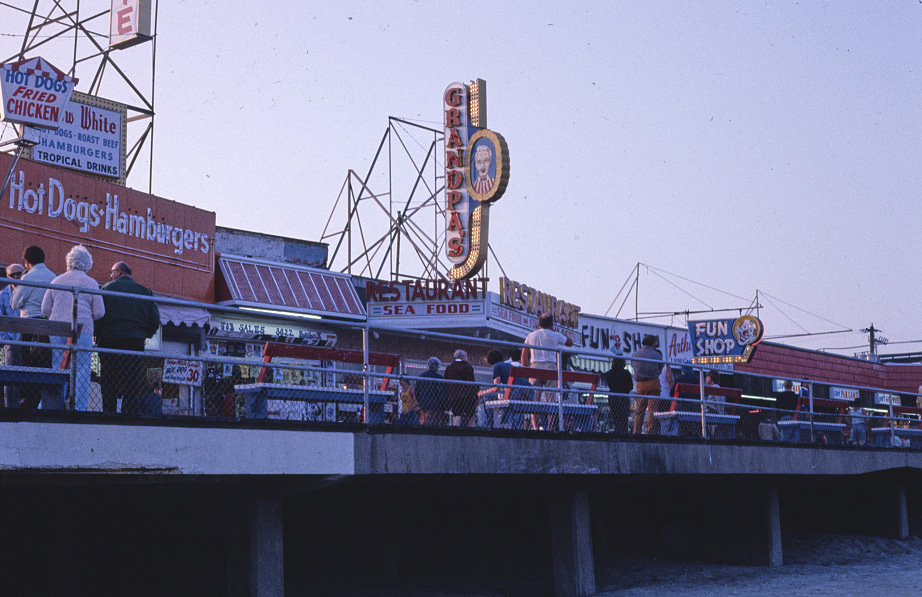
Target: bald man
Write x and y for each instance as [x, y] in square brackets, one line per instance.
[128, 322]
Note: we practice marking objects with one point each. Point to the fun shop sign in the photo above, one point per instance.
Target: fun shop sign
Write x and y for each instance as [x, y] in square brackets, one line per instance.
[34, 93]
[724, 340]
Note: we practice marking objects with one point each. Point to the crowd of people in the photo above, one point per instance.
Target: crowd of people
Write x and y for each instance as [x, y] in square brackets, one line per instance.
[437, 397]
[634, 397]
[110, 322]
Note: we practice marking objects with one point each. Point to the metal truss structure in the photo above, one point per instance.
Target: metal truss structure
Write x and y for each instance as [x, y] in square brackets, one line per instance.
[394, 219]
[75, 40]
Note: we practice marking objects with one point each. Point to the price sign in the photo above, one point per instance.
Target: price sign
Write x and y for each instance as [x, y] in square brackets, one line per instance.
[182, 372]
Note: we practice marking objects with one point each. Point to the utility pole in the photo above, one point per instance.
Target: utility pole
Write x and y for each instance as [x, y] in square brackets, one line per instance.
[873, 339]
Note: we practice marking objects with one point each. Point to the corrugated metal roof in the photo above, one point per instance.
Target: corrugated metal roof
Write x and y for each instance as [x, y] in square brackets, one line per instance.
[251, 282]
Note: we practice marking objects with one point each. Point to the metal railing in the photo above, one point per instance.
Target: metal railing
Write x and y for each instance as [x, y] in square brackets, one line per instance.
[72, 374]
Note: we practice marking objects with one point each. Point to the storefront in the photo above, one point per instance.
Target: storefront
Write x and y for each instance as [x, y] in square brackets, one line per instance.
[169, 247]
[270, 301]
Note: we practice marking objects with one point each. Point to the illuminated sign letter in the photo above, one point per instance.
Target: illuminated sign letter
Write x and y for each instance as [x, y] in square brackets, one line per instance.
[129, 23]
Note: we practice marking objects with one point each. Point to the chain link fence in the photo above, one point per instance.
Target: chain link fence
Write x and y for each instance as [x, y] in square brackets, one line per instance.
[63, 370]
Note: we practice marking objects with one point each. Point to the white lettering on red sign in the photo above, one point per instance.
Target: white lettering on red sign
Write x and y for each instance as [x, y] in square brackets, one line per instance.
[26, 196]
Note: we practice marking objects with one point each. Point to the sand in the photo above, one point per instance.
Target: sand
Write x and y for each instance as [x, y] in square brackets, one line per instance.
[814, 565]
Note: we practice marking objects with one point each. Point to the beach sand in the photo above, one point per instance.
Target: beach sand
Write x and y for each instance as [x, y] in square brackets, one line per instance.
[814, 565]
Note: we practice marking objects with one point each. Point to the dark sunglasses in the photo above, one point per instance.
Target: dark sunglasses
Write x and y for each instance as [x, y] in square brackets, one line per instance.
[15, 275]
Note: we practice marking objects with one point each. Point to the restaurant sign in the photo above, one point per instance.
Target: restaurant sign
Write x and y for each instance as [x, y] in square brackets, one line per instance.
[534, 302]
[426, 298]
[34, 93]
[724, 340]
[476, 175]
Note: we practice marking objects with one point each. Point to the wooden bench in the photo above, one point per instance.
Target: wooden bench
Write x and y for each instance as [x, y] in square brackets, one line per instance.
[29, 325]
[684, 416]
[258, 394]
[36, 375]
[805, 427]
[577, 417]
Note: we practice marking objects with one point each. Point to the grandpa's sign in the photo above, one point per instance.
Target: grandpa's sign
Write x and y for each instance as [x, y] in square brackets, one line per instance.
[724, 340]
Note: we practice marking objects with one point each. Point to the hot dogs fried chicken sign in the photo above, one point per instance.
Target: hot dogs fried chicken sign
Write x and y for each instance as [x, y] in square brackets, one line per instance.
[34, 92]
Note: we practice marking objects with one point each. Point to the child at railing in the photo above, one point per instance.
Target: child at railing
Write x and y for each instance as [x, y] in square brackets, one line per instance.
[858, 436]
[409, 407]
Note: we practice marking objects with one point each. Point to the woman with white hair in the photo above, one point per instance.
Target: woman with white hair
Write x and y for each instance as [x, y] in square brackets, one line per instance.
[58, 305]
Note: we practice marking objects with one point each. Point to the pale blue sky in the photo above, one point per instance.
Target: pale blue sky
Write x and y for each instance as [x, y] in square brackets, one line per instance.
[744, 145]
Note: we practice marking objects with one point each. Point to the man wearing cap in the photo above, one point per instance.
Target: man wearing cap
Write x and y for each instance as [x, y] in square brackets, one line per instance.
[127, 323]
[12, 353]
[28, 300]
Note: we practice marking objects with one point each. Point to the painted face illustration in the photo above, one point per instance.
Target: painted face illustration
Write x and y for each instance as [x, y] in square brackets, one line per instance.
[482, 159]
[746, 330]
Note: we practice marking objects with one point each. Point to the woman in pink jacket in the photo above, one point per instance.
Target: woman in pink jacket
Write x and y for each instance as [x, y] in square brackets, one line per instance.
[58, 305]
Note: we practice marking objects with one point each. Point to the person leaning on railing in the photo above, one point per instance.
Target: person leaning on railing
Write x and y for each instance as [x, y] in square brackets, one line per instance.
[58, 305]
[12, 354]
[28, 299]
[502, 368]
[462, 398]
[787, 404]
[127, 323]
[646, 382]
[430, 394]
[620, 383]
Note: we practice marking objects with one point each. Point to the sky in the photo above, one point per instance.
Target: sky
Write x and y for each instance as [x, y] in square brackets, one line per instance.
[728, 148]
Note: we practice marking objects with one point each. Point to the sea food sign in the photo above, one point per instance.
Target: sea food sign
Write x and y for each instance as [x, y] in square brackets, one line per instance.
[34, 93]
[413, 298]
[724, 340]
[476, 175]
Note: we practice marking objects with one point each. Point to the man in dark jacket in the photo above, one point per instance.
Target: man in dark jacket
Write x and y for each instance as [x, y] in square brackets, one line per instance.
[430, 394]
[462, 398]
[620, 383]
[125, 326]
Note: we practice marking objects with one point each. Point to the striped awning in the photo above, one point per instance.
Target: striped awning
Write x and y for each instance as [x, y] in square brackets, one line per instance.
[262, 284]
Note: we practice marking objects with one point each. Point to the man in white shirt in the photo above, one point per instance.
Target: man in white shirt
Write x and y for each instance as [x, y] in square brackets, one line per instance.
[536, 353]
[28, 300]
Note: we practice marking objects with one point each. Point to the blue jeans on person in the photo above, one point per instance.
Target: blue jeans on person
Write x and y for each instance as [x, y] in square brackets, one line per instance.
[516, 420]
[789, 432]
[859, 434]
[82, 359]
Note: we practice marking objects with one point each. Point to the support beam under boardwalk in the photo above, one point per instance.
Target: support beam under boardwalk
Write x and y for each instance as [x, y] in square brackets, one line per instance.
[571, 538]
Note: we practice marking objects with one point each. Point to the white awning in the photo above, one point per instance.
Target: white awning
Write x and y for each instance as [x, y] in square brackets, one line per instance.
[179, 315]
